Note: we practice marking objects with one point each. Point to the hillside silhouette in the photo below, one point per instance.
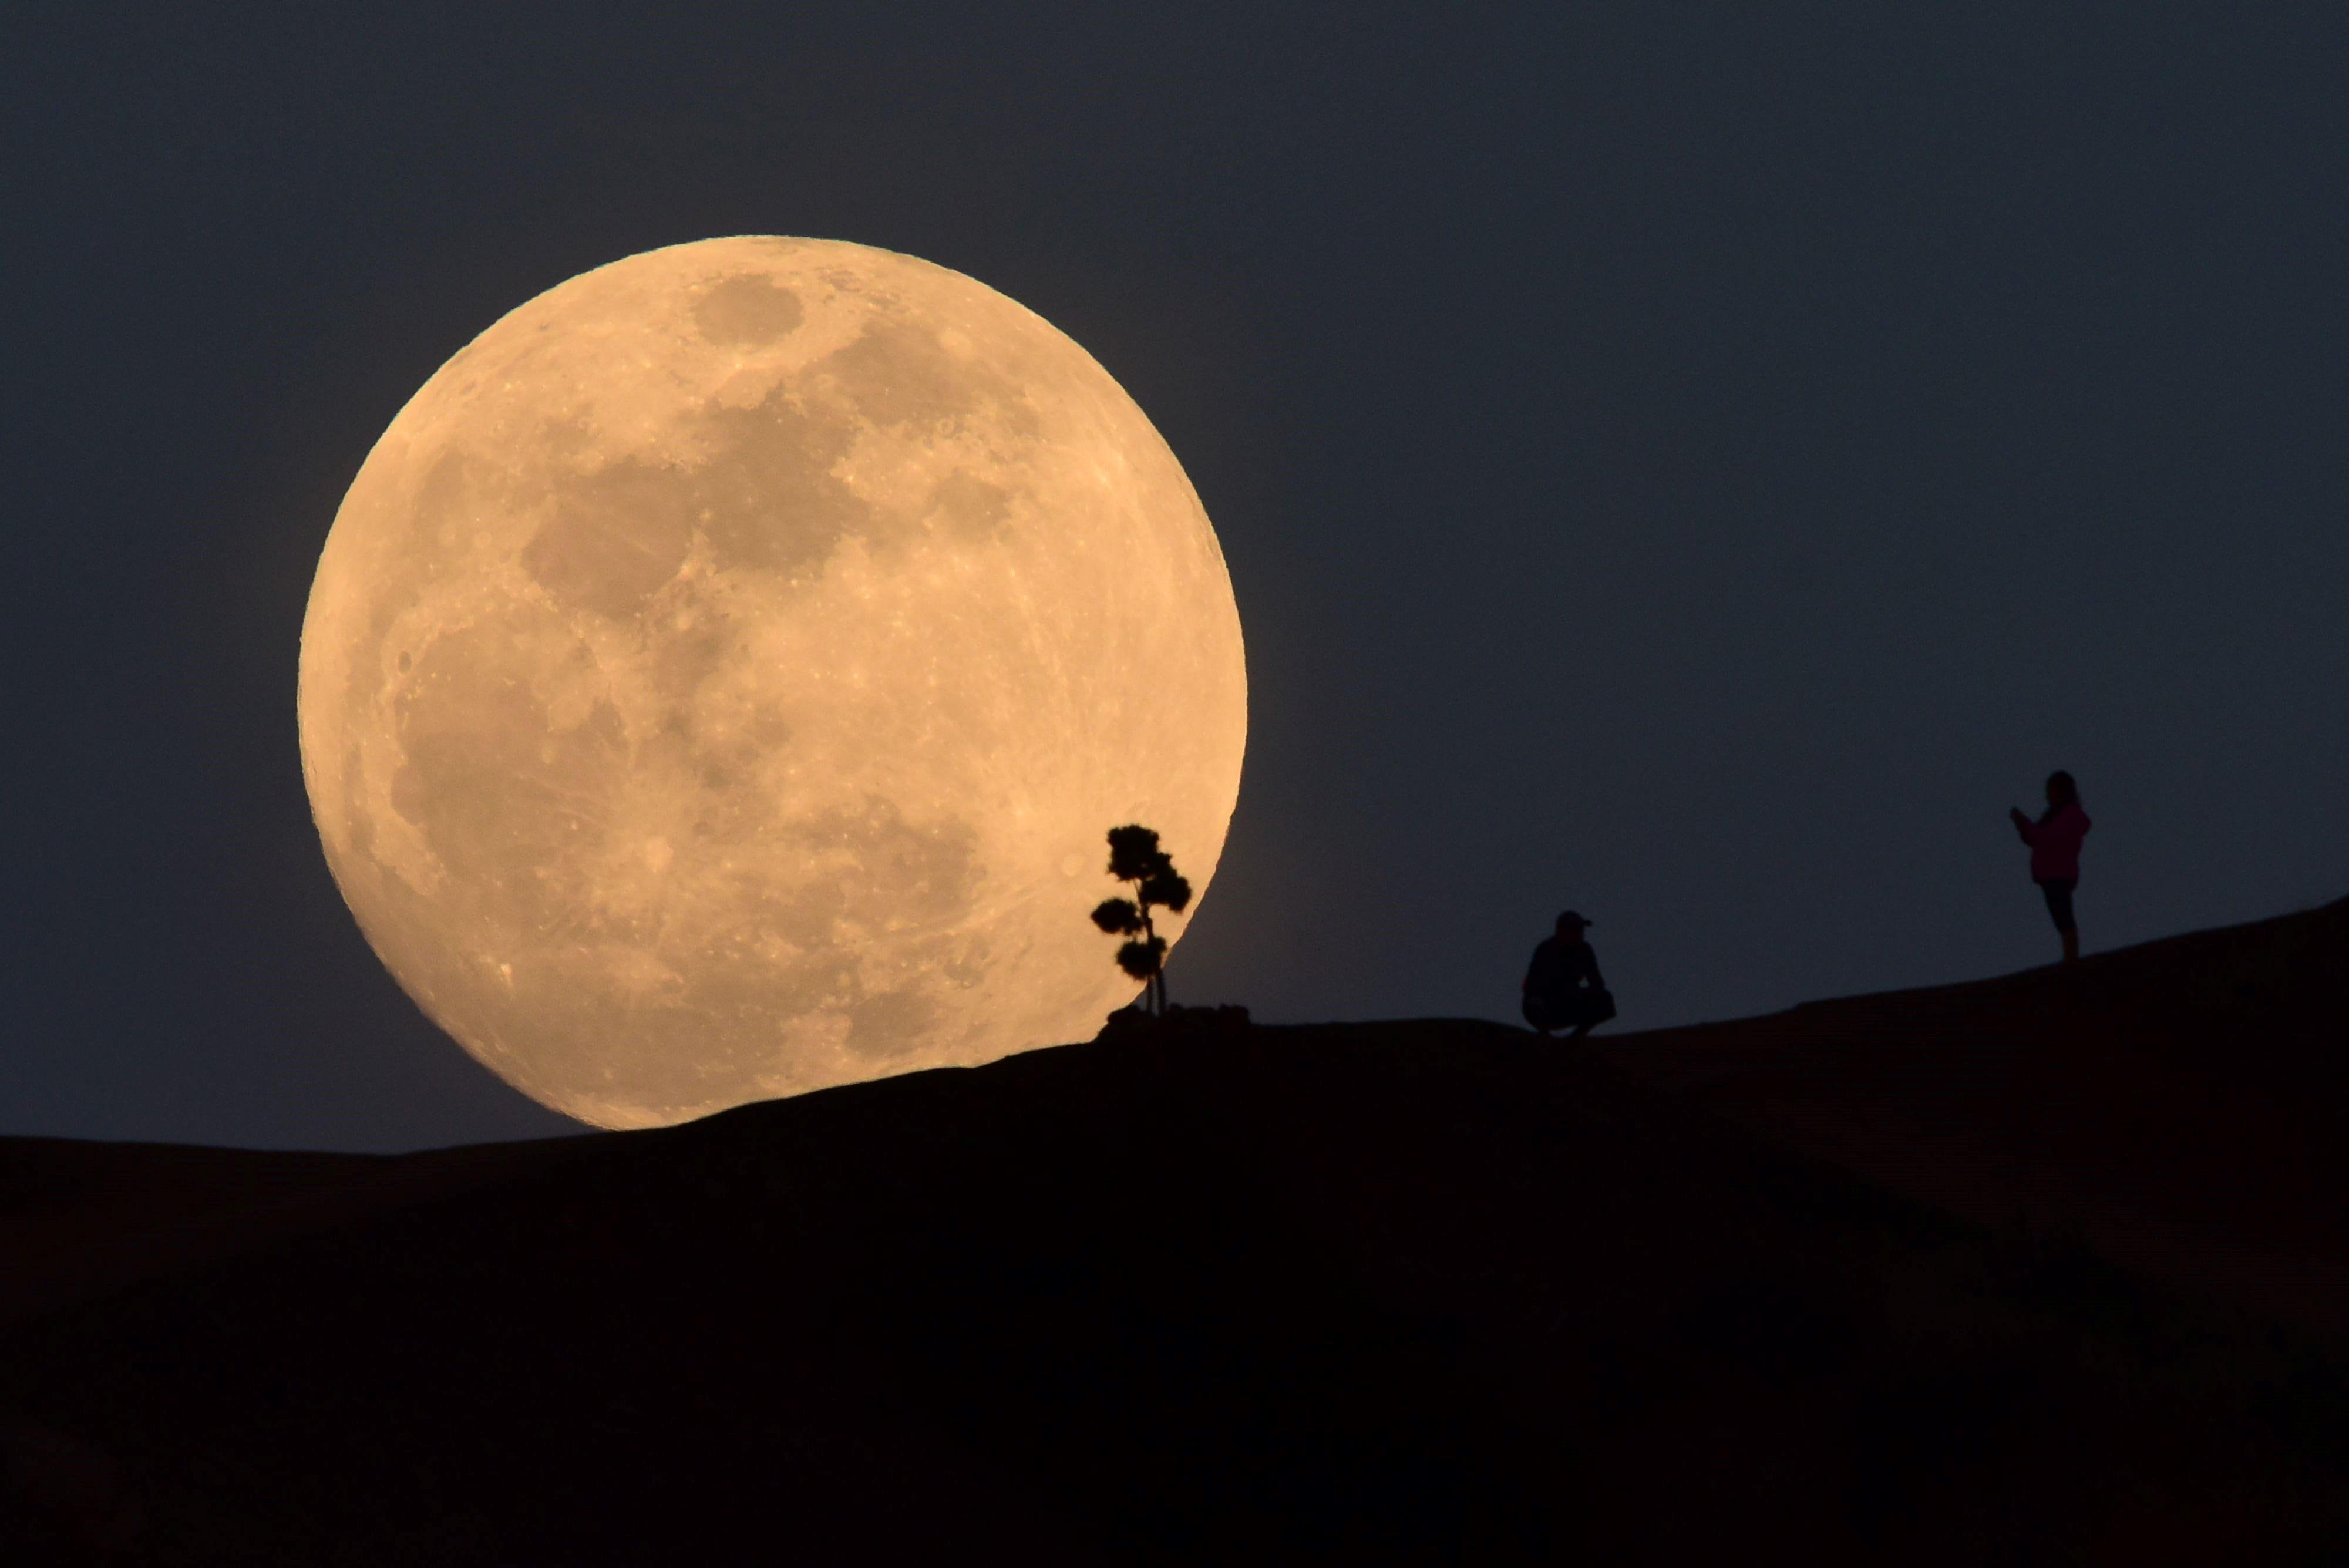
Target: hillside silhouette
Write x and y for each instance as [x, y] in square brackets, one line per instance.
[1426, 1292]
[2183, 1104]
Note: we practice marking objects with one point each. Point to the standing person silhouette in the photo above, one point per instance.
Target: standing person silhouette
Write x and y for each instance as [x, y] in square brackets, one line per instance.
[2055, 841]
[1562, 988]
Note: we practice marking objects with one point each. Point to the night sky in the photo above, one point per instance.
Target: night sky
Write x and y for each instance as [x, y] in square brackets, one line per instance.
[1698, 464]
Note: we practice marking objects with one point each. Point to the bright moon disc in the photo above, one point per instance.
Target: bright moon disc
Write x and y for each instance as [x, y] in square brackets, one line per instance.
[719, 680]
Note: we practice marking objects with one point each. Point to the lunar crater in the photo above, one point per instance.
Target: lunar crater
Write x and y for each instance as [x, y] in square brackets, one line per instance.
[748, 310]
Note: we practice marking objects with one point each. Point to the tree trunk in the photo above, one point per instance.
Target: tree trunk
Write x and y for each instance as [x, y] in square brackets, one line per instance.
[1154, 988]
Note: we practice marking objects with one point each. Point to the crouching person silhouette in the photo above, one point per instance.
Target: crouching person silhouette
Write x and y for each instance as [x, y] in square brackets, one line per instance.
[1562, 988]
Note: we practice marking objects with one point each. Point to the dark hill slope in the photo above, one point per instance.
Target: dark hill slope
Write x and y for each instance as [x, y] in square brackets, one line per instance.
[80, 1219]
[2184, 1104]
[1417, 1292]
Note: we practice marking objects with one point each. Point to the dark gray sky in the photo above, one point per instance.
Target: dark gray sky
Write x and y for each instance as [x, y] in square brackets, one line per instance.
[1700, 463]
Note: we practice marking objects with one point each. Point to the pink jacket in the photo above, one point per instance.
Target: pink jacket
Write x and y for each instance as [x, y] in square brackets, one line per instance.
[2056, 845]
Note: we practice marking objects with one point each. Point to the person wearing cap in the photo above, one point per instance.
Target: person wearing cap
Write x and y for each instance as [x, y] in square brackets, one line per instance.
[1562, 987]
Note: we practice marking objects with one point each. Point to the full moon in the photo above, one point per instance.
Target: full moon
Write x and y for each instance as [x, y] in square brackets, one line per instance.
[720, 678]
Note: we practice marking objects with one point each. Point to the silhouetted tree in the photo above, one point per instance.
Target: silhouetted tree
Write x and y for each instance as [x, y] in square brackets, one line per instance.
[1135, 858]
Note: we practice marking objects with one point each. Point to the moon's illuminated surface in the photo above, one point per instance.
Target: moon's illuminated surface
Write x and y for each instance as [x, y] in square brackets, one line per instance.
[720, 679]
